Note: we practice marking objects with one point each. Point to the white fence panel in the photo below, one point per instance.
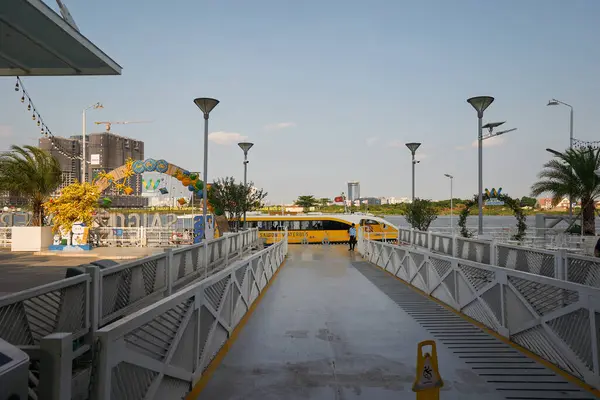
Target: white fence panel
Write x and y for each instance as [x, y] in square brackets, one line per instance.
[160, 351]
[555, 319]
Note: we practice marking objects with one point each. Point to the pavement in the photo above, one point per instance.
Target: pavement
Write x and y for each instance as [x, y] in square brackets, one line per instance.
[113, 253]
[20, 271]
[332, 326]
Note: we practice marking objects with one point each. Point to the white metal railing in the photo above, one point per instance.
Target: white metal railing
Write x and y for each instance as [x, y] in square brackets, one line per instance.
[555, 262]
[5, 236]
[552, 318]
[161, 351]
[140, 236]
[127, 286]
[78, 306]
[27, 318]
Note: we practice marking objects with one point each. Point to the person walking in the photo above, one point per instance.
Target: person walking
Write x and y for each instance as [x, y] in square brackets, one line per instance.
[352, 241]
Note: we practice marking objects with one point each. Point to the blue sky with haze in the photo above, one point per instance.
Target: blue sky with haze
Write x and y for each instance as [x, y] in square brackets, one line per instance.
[329, 91]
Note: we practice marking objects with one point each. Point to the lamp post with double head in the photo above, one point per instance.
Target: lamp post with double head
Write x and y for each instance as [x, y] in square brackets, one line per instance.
[555, 102]
[206, 105]
[94, 106]
[480, 104]
[413, 149]
[451, 202]
[245, 146]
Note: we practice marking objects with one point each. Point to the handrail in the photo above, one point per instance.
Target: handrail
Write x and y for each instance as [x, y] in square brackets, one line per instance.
[84, 303]
[552, 318]
[552, 263]
[181, 334]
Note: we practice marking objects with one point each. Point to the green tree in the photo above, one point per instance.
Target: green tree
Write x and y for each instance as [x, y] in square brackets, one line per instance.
[233, 199]
[573, 173]
[420, 214]
[528, 201]
[32, 173]
[306, 202]
[324, 201]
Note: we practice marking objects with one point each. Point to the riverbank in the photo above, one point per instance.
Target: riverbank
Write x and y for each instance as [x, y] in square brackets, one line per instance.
[391, 209]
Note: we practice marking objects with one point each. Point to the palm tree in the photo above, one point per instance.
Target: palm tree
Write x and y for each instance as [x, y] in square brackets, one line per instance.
[30, 172]
[573, 173]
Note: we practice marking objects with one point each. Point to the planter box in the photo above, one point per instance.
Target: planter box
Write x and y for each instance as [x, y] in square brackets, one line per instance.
[71, 248]
[31, 238]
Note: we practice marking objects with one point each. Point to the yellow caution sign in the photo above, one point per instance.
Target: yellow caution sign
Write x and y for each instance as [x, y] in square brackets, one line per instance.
[428, 380]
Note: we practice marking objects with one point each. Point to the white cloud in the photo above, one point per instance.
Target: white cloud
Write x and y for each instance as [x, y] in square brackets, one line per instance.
[6, 131]
[491, 142]
[371, 141]
[280, 125]
[226, 138]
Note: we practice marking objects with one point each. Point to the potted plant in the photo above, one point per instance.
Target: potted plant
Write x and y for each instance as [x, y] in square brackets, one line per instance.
[34, 174]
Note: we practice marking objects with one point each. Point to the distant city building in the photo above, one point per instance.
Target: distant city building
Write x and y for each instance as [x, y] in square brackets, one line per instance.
[353, 191]
[394, 200]
[371, 201]
[104, 152]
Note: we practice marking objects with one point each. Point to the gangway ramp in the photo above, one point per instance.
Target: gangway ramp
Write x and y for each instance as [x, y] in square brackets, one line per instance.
[332, 326]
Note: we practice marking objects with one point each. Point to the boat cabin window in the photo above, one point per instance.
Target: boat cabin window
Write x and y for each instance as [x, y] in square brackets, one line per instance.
[304, 225]
[364, 222]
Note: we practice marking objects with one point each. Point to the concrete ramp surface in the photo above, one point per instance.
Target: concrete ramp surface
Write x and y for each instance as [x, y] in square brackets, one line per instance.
[333, 326]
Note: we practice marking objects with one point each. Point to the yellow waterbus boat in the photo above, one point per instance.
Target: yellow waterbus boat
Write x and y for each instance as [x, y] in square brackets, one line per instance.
[321, 228]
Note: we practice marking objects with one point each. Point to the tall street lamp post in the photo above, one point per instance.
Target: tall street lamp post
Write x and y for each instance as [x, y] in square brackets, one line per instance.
[94, 106]
[413, 149]
[205, 105]
[480, 103]
[555, 102]
[451, 202]
[245, 146]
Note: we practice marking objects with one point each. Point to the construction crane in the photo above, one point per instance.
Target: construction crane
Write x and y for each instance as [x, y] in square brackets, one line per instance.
[109, 123]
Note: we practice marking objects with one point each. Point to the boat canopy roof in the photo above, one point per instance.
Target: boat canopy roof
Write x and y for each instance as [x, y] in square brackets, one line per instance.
[350, 218]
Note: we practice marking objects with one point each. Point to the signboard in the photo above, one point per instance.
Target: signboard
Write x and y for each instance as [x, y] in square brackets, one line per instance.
[199, 231]
[428, 381]
[492, 197]
[95, 159]
[494, 202]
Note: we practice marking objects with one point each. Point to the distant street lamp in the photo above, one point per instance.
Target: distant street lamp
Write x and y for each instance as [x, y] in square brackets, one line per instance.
[245, 146]
[480, 103]
[555, 102]
[95, 106]
[451, 202]
[413, 149]
[205, 105]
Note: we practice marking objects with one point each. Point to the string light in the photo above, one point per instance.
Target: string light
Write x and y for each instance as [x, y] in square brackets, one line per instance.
[44, 130]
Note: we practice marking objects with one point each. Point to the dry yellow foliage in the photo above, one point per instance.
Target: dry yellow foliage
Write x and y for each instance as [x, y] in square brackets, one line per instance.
[104, 175]
[76, 203]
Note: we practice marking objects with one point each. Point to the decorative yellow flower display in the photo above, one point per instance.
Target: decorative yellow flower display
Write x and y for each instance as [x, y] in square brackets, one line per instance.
[122, 187]
[76, 203]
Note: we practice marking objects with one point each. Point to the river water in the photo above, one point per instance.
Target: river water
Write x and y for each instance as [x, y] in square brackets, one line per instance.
[491, 222]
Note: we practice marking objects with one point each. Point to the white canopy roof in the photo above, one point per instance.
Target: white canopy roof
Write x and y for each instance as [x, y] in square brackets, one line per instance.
[36, 41]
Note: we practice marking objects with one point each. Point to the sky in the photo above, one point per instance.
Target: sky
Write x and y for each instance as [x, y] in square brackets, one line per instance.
[330, 91]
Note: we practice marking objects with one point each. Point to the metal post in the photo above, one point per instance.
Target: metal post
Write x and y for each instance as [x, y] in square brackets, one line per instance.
[451, 207]
[205, 191]
[55, 366]
[245, 184]
[571, 147]
[480, 194]
[413, 177]
[83, 128]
